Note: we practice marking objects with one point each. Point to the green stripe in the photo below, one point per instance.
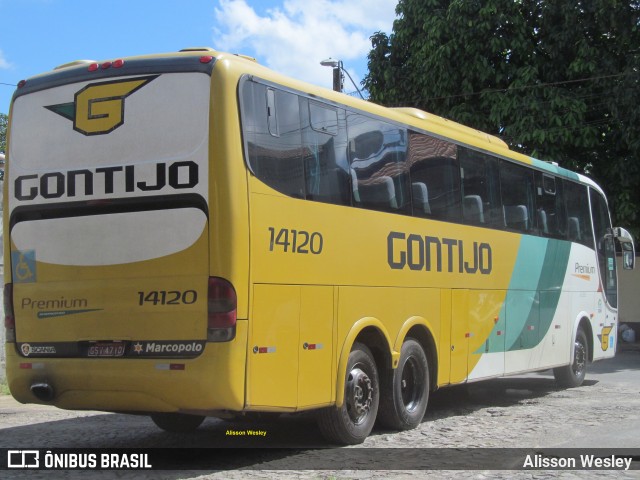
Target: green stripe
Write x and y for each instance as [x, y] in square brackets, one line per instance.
[553, 168]
[533, 295]
[544, 299]
[521, 298]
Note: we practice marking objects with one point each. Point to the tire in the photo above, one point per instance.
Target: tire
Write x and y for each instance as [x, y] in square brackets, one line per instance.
[353, 421]
[405, 390]
[571, 376]
[177, 422]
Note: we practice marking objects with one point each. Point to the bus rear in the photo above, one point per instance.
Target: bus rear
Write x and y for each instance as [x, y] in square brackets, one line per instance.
[107, 284]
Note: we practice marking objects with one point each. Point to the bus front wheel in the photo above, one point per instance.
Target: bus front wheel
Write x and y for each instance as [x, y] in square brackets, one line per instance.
[571, 376]
[405, 392]
[351, 423]
[177, 422]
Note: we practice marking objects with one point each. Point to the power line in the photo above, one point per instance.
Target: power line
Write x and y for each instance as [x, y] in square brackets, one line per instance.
[8, 84]
[525, 87]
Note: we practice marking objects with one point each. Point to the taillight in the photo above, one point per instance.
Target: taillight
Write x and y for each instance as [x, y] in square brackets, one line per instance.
[95, 66]
[222, 309]
[9, 317]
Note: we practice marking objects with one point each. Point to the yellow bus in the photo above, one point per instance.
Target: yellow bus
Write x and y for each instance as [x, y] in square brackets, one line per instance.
[192, 234]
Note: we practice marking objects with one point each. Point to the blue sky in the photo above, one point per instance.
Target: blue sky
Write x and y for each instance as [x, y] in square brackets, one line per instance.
[291, 36]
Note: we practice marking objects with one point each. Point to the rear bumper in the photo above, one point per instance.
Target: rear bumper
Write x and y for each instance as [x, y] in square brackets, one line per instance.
[212, 382]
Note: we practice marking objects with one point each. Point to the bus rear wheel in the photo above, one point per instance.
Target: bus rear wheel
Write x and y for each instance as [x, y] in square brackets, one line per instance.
[177, 422]
[571, 376]
[405, 392]
[351, 423]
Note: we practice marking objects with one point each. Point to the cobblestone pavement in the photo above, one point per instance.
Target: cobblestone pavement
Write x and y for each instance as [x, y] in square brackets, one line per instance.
[519, 412]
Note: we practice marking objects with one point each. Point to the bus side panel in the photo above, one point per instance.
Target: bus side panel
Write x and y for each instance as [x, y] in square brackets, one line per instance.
[391, 306]
[315, 373]
[290, 347]
[553, 342]
[273, 346]
[444, 345]
[459, 351]
[487, 327]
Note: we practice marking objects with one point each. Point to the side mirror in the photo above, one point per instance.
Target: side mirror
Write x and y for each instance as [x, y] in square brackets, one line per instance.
[628, 248]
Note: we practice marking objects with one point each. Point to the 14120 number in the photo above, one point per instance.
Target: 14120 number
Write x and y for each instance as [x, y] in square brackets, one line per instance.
[295, 241]
[171, 297]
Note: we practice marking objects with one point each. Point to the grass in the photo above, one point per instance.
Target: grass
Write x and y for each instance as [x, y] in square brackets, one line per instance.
[4, 388]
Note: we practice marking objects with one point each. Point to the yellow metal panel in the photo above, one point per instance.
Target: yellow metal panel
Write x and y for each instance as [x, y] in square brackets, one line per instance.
[301, 242]
[315, 346]
[444, 360]
[229, 202]
[459, 335]
[273, 346]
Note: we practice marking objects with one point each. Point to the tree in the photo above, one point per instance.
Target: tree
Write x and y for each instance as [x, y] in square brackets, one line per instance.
[556, 80]
[4, 120]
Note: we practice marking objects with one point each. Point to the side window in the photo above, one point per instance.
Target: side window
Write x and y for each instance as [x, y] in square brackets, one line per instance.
[377, 152]
[578, 215]
[324, 118]
[324, 134]
[481, 203]
[517, 187]
[435, 177]
[605, 246]
[550, 213]
[273, 139]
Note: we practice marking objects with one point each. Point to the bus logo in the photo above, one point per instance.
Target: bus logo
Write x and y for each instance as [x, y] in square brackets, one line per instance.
[604, 338]
[98, 108]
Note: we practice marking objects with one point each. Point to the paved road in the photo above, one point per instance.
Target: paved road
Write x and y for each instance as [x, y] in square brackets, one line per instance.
[527, 411]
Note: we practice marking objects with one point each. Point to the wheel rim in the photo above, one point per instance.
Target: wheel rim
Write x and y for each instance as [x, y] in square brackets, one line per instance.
[410, 384]
[580, 359]
[359, 395]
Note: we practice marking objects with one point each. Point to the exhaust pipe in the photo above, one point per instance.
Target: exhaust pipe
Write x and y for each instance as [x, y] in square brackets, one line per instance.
[43, 391]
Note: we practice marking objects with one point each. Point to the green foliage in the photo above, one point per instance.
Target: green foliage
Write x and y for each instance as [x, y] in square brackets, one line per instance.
[556, 80]
[4, 120]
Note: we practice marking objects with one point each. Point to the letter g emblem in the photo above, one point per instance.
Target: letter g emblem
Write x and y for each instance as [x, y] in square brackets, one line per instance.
[98, 108]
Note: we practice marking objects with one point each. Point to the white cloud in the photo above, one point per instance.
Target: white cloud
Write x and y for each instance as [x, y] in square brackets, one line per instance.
[4, 63]
[293, 38]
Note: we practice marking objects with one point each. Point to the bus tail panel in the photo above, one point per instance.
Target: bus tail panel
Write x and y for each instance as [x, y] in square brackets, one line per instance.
[108, 226]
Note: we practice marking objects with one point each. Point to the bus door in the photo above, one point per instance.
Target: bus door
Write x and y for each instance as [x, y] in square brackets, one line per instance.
[605, 325]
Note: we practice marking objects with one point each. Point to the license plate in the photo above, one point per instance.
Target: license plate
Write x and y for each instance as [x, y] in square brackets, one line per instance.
[106, 350]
